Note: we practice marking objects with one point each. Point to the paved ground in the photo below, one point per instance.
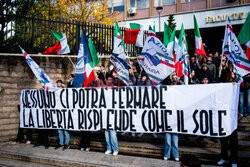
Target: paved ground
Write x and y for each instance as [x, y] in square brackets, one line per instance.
[14, 153]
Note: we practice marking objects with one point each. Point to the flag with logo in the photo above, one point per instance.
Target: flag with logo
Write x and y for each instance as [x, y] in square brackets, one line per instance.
[156, 59]
[198, 41]
[134, 36]
[244, 35]
[118, 56]
[39, 73]
[61, 47]
[182, 55]
[232, 50]
[84, 72]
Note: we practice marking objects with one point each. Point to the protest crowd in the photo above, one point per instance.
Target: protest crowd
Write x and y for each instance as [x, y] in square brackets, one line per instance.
[209, 69]
[203, 71]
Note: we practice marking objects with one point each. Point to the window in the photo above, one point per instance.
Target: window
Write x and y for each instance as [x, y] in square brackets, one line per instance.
[139, 4]
[142, 4]
[164, 2]
[116, 5]
[132, 3]
[188, 0]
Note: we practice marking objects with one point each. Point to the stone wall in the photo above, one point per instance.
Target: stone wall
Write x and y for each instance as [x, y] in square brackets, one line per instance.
[15, 75]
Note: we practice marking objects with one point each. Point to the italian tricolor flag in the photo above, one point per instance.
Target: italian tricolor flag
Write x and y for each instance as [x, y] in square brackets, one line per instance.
[91, 61]
[166, 35]
[170, 45]
[198, 42]
[134, 36]
[182, 56]
[61, 47]
[244, 36]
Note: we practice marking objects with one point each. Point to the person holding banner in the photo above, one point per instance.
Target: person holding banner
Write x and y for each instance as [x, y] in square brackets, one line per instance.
[20, 134]
[63, 132]
[171, 139]
[229, 143]
[110, 135]
[43, 136]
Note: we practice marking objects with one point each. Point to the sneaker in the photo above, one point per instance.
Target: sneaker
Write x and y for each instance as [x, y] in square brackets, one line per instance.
[108, 152]
[115, 153]
[240, 116]
[58, 146]
[87, 149]
[176, 159]
[14, 143]
[234, 165]
[165, 158]
[28, 142]
[82, 149]
[65, 147]
[221, 162]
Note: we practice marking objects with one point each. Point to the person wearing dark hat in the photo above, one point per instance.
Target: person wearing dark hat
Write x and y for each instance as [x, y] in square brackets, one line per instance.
[211, 68]
[204, 73]
[59, 83]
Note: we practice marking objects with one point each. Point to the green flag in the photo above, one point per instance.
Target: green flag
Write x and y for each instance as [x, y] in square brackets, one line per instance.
[134, 26]
[186, 41]
[93, 52]
[154, 27]
[58, 35]
[244, 35]
[167, 34]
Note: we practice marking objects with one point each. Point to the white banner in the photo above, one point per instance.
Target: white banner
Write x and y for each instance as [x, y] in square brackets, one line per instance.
[209, 110]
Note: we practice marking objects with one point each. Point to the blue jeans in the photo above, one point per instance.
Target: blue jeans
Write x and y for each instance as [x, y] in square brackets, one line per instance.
[171, 139]
[111, 140]
[241, 103]
[61, 133]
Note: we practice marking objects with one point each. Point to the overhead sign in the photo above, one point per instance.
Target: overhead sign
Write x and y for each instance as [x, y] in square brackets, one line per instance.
[205, 18]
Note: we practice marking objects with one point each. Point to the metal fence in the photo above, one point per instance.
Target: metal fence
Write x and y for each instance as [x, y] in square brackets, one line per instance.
[34, 35]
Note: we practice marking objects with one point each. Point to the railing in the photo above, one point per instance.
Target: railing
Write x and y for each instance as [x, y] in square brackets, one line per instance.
[34, 35]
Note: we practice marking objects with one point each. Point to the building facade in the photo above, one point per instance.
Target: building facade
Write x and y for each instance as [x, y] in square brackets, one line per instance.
[210, 14]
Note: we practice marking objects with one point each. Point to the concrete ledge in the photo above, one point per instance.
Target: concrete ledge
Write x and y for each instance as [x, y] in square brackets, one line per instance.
[72, 157]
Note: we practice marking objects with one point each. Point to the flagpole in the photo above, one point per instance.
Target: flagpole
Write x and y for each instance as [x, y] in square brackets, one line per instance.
[139, 64]
[189, 68]
[220, 65]
[71, 62]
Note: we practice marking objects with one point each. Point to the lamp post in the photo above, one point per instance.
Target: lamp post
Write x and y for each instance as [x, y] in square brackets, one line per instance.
[159, 10]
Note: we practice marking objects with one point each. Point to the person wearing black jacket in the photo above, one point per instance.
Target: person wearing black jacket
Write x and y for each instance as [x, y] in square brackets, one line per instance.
[71, 79]
[43, 137]
[20, 134]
